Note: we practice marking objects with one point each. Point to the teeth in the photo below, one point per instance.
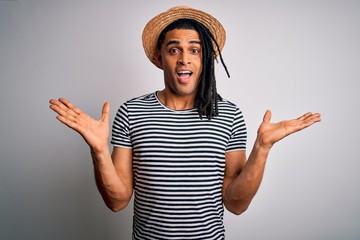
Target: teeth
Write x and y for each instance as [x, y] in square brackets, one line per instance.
[181, 72]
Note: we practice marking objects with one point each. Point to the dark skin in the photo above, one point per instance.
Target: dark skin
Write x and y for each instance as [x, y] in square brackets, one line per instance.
[180, 59]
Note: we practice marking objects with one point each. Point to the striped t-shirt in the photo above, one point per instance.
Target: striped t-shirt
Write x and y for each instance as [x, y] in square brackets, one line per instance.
[178, 165]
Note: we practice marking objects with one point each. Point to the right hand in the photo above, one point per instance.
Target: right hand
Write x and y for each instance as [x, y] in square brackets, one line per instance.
[95, 132]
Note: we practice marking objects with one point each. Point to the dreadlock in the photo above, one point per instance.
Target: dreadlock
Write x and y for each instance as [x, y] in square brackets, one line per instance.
[206, 100]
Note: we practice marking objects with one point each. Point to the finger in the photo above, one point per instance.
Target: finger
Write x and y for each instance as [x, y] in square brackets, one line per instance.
[306, 115]
[105, 112]
[62, 110]
[68, 122]
[309, 120]
[317, 117]
[64, 116]
[69, 110]
[313, 118]
[69, 105]
[267, 116]
[57, 106]
[54, 102]
[310, 117]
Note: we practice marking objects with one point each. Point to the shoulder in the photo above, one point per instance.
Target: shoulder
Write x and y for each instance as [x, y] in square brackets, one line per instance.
[229, 110]
[137, 102]
[142, 104]
[226, 105]
[140, 101]
[143, 98]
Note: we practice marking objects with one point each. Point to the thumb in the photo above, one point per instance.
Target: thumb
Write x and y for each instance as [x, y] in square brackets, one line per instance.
[105, 112]
[267, 116]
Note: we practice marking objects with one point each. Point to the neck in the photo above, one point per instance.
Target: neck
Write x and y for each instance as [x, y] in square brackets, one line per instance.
[176, 102]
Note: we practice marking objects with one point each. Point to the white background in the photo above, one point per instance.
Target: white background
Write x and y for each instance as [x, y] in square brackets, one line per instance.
[287, 56]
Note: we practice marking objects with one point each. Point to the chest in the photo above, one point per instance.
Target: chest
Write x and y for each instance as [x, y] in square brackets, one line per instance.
[180, 133]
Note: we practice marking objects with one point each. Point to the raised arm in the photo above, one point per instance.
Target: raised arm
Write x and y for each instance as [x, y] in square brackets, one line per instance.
[113, 172]
[243, 177]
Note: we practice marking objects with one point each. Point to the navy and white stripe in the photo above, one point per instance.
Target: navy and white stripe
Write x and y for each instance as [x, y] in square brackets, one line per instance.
[178, 164]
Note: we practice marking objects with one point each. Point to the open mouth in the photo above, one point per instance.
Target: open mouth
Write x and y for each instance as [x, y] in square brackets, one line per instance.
[184, 74]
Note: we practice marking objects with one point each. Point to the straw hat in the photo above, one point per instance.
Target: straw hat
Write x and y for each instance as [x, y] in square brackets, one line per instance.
[155, 26]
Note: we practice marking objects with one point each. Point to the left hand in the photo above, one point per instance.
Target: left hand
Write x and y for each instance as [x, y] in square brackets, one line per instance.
[270, 133]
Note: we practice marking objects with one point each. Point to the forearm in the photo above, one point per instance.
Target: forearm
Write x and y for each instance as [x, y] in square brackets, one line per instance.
[241, 184]
[244, 186]
[114, 191]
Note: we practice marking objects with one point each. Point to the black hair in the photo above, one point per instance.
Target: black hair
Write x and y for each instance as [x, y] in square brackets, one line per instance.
[206, 100]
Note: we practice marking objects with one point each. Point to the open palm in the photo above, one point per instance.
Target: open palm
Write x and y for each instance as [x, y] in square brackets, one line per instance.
[94, 132]
[270, 133]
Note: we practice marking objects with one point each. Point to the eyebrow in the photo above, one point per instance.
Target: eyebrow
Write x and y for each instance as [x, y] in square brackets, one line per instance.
[177, 42]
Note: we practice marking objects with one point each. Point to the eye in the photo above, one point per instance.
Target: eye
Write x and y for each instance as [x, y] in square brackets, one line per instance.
[195, 51]
[174, 51]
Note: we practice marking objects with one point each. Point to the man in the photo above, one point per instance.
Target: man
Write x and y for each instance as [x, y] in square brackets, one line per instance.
[181, 149]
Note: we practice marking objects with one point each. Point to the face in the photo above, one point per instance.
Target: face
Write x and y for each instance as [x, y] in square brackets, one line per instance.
[180, 57]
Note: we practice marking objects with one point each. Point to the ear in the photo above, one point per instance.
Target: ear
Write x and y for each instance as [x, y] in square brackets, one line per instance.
[158, 60]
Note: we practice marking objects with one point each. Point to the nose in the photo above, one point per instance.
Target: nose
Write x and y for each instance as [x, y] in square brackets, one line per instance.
[184, 59]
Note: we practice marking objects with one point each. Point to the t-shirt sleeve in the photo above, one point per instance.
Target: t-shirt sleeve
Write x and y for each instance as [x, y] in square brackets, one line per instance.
[121, 128]
[238, 134]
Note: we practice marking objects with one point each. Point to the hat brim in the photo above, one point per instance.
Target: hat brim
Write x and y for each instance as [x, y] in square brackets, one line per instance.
[157, 24]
